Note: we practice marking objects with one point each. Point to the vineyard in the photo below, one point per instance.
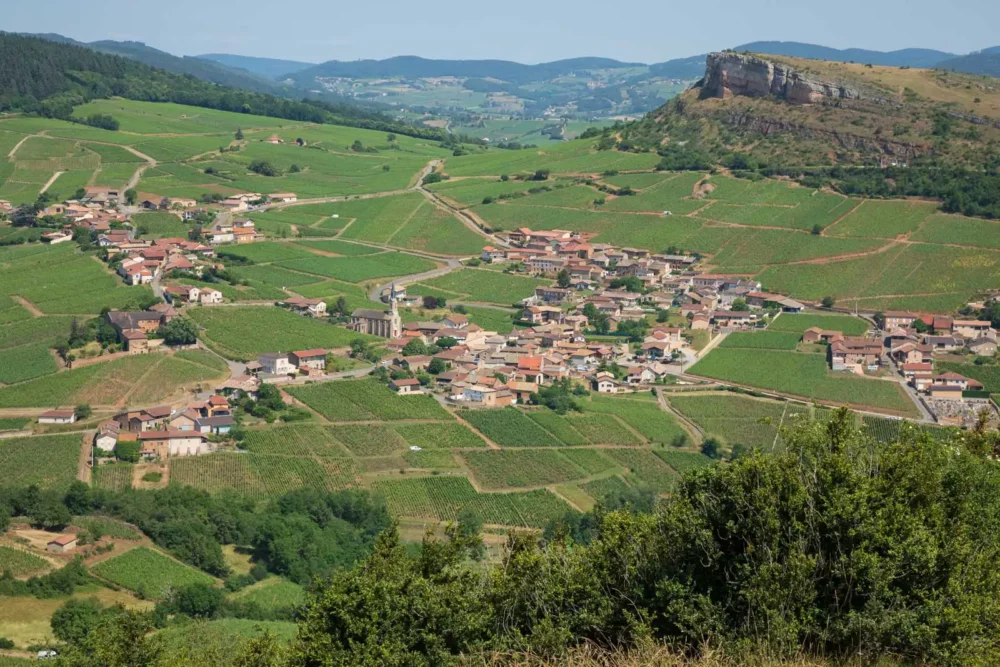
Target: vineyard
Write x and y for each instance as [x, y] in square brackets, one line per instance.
[506, 469]
[13, 423]
[366, 400]
[99, 525]
[591, 461]
[49, 461]
[149, 573]
[644, 416]
[261, 475]
[114, 477]
[599, 489]
[733, 418]
[603, 429]
[19, 563]
[886, 430]
[684, 462]
[442, 498]
[646, 468]
[439, 436]
[558, 426]
[509, 427]
[369, 439]
[272, 593]
[300, 440]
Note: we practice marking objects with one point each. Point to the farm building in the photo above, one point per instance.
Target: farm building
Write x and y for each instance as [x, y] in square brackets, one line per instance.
[61, 544]
[276, 363]
[107, 436]
[57, 417]
[406, 386]
[161, 444]
[313, 359]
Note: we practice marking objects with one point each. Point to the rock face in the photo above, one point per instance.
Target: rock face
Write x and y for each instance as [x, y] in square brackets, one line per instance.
[729, 74]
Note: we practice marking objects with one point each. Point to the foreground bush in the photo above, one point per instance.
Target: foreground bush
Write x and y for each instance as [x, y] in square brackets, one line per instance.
[838, 546]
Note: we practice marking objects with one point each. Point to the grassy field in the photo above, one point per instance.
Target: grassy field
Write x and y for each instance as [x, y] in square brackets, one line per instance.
[804, 375]
[762, 340]
[243, 333]
[148, 572]
[159, 224]
[483, 286]
[272, 593]
[221, 636]
[799, 322]
[99, 525]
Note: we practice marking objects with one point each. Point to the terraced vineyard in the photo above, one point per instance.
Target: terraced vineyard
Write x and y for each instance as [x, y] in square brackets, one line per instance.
[363, 400]
[442, 498]
[509, 427]
[49, 461]
[149, 572]
[20, 563]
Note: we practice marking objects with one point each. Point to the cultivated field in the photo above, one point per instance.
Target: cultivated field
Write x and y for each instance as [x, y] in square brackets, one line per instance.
[50, 461]
[148, 572]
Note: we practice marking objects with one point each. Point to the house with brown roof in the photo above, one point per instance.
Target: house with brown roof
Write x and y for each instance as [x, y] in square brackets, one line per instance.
[406, 386]
[164, 444]
[973, 329]
[853, 352]
[314, 359]
[898, 319]
[61, 544]
[918, 374]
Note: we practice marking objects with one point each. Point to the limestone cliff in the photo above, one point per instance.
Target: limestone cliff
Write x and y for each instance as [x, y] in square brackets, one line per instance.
[735, 74]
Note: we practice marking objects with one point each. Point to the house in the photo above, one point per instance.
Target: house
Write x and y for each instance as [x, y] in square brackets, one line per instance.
[314, 359]
[605, 383]
[491, 254]
[61, 544]
[945, 392]
[700, 321]
[552, 294]
[817, 335]
[218, 425]
[146, 321]
[456, 321]
[851, 352]
[386, 324]
[276, 363]
[210, 296]
[274, 139]
[522, 391]
[406, 386]
[283, 197]
[898, 319]
[956, 380]
[184, 421]
[734, 320]
[241, 385]
[314, 307]
[107, 436]
[984, 347]
[918, 375]
[489, 397]
[163, 444]
[973, 329]
[943, 343]
[137, 342]
[188, 293]
[57, 417]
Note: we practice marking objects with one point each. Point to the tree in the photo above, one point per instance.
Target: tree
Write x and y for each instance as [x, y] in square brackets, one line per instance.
[25, 215]
[340, 307]
[711, 448]
[563, 279]
[127, 450]
[817, 229]
[131, 196]
[828, 302]
[415, 347]
[179, 331]
[598, 320]
[196, 600]
[294, 169]
[629, 284]
[75, 619]
[121, 638]
[82, 411]
[50, 513]
[264, 168]
[446, 342]
[78, 498]
[437, 366]
[390, 137]
[80, 193]
[740, 305]
[239, 134]
[540, 175]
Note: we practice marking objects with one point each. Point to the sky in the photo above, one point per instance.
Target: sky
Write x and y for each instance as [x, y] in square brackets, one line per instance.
[527, 31]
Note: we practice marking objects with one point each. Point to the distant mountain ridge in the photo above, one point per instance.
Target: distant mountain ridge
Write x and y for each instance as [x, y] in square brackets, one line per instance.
[417, 67]
[271, 68]
[922, 58]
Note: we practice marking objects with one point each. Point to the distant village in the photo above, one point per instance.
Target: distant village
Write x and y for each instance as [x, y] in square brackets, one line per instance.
[592, 326]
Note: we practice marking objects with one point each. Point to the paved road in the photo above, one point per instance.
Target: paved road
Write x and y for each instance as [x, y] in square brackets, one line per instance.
[450, 265]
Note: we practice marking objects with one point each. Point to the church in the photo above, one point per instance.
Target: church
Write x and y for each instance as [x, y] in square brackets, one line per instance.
[387, 324]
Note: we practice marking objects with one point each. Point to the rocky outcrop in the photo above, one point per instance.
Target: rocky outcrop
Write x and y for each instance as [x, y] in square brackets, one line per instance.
[735, 74]
[848, 141]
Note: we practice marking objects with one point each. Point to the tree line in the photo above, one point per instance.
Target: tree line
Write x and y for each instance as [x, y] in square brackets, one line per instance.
[50, 79]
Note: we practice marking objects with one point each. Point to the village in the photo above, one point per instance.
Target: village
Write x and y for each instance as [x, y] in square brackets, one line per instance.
[615, 320]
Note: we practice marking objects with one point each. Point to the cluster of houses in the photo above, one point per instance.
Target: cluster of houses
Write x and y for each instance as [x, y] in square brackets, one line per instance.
[140, 260]
[163, 432]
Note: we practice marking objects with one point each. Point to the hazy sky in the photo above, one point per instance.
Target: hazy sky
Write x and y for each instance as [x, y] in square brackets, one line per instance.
[524, 30]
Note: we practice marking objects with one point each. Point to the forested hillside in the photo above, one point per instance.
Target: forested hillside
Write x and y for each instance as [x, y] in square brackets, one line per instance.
[50, 78]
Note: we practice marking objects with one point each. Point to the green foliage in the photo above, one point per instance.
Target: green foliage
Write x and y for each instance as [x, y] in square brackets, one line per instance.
[148, 573]
[75, 619]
